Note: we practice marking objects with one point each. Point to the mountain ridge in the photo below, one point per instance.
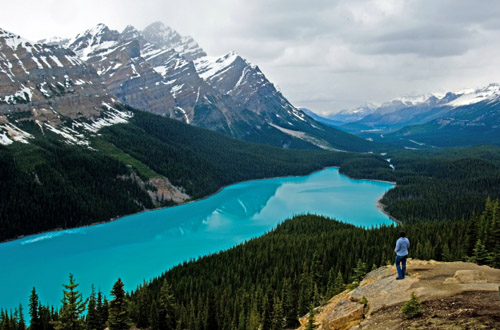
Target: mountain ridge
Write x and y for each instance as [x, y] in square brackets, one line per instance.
[458, 119]
[158, 70]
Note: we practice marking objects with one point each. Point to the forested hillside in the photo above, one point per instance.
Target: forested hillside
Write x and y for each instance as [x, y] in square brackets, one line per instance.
[443, 184]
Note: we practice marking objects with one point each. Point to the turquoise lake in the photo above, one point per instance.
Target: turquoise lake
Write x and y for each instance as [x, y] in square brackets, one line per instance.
[144, 245]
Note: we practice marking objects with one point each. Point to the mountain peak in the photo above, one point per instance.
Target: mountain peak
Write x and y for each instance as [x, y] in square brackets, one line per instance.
[158, 25]
[100, 28]
[95, 38]
[13, 40]
[165, 37]
[130, 32]
[129, 28]
[488, 93]
[160, 33]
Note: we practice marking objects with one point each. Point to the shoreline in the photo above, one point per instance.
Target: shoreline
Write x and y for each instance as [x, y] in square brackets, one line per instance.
[379, 205]
[382, 207]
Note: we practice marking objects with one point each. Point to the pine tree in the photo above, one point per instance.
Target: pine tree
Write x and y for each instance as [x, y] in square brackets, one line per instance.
[316, 268]
[267, 310]
[167, 307]
[339, 284]
[191, 316]
[427, 251]
[118, 318]
[142, 308]
[154, 317]
[278, 318]
[92, 313]
[34, 311]
[210, 317]
[310, 320]
[412, 308]
[289, 306]
[21, 325]
[330, 286]
[305, 291]
[47, 316]
[359, 271]
[495, 236]
[471, 234]
[486, 218]
[102, 310]
[254, 318]
[480, 255]
[73, 306]
[446, 254]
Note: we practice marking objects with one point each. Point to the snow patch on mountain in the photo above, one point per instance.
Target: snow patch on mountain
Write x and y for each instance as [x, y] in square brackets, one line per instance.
[13, 40]
[209, 67]
[489, 93]
[306, 137]
[10, 133]
[93, 40]
[76, 134]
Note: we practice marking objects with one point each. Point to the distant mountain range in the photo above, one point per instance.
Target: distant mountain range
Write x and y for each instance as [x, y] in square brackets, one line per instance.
[452, 119]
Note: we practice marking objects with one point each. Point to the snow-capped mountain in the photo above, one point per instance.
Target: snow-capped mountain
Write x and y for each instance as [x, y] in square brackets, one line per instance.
[53, 88]
[153, 78]
[350, 115]
[324, 120]
[403, 111]
[489, 93]
[160, 71]
[234, 76]
[455, 119]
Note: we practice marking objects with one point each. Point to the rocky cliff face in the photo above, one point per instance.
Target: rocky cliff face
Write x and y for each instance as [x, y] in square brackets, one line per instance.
[51, 87]
[454, 295]
[152, 71]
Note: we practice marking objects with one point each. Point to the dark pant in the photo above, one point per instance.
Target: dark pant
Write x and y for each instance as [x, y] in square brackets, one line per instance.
[401, 269]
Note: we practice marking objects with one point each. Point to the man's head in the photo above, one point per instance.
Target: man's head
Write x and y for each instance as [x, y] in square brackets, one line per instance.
[402, 234]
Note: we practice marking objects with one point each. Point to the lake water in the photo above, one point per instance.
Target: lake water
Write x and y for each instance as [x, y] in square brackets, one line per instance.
[144, 245]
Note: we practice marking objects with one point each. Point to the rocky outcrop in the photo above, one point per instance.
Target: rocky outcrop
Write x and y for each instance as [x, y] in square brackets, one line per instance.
[461, 284]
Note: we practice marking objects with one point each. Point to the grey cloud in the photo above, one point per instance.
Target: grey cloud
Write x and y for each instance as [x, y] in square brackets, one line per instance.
[432, 40]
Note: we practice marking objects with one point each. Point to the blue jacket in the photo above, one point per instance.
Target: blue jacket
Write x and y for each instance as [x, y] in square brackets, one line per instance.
[402, 246]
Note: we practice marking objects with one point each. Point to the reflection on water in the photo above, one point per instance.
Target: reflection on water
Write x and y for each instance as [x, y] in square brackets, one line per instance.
[144, 245]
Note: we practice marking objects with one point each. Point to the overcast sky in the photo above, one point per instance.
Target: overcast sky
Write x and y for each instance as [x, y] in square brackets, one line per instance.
[325, 55]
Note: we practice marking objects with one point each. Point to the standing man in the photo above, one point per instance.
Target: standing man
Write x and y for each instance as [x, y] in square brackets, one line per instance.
[402, 246]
